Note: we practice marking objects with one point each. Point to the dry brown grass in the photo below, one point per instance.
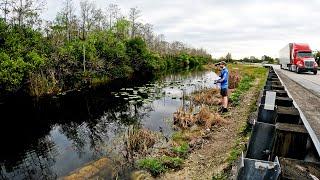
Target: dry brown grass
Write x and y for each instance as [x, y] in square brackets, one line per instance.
[234, 74]
[183, 119]
[234, 79]
[204, 118]
[139, 140]
[208, 119]
[208, 97]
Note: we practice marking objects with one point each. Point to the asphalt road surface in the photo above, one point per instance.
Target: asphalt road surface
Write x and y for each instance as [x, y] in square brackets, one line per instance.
[305, 91]
[307, 80]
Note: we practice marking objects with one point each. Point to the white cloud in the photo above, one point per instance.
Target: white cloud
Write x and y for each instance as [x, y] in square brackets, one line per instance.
[244, 28]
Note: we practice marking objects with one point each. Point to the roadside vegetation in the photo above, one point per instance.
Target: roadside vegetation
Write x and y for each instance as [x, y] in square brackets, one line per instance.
[75, 51]
[251, 74]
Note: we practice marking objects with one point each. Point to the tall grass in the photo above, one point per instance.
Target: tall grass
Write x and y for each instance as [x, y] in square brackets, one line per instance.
[244, 86]
[234, 79]
[207, 96]
[138, 140]
[249, 75]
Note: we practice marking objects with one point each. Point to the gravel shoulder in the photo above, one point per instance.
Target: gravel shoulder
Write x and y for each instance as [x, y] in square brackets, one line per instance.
[307, 80]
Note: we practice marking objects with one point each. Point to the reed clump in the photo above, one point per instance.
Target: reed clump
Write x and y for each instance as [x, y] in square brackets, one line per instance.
[234, 79]
[183, 119]
[139, 140]
[208, 97]
[206, 118]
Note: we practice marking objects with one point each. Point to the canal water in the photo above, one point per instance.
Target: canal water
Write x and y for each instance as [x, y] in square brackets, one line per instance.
[50, 137]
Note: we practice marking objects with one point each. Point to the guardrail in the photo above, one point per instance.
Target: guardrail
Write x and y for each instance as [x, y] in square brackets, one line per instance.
[312, 134]
[280, 146]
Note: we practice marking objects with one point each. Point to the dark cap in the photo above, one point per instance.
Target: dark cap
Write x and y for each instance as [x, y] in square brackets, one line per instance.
[222, 63]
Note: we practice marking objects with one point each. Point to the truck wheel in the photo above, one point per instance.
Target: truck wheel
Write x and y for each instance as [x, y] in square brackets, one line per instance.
[315, 72]
[297, 70]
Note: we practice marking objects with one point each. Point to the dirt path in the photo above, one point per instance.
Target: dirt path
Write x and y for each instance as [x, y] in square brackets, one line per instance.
[212, 158]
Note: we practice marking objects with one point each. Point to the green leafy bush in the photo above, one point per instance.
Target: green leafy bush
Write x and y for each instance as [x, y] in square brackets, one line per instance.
[156, 166]
[12, 72]
[172, 162]
[182, 150]
[153, 165]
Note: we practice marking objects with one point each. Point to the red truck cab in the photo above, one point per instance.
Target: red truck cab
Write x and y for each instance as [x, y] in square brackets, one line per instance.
[298, 57]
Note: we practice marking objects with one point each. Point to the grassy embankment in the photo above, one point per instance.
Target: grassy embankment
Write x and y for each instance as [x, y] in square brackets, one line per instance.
[251, 75]
[194, 126]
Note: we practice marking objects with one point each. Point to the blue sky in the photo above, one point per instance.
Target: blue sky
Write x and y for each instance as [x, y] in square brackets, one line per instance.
[242, 27]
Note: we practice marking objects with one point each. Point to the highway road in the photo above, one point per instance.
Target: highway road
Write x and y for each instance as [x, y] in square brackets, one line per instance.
[305, 91]
[307, 80]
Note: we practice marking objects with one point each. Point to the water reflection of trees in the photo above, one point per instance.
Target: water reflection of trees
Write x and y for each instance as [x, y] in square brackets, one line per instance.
[34, 165]
[95, 133]
[87, 119]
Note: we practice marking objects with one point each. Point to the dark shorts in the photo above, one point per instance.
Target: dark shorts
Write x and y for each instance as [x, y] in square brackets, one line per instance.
[224, 92]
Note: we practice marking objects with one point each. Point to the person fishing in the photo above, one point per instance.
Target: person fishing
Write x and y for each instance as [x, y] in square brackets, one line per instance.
[224, 82]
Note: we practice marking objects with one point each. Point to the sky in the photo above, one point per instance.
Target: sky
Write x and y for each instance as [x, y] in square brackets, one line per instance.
[242, 27]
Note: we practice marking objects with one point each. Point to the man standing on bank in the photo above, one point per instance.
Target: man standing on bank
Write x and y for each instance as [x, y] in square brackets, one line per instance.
[224, 78]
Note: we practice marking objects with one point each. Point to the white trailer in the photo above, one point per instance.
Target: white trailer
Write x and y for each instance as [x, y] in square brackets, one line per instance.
[285, 57]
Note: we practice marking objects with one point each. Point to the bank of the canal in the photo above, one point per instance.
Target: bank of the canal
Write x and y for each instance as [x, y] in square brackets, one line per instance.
[49, 138]
[223, 146]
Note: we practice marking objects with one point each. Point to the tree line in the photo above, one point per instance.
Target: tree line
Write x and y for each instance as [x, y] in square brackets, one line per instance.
[82, 49]
[252, 59]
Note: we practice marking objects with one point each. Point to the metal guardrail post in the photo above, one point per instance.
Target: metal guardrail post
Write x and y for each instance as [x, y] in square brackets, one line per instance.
[312, 134]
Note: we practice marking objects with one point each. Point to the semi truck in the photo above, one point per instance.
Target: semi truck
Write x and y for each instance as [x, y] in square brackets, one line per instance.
[297, 57]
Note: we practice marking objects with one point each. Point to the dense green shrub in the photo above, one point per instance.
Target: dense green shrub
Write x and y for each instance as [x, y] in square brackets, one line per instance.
[12, 72]
[53, 63]
[153, 165]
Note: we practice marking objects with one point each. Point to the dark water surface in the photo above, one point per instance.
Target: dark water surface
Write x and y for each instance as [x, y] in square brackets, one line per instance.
[50, 137]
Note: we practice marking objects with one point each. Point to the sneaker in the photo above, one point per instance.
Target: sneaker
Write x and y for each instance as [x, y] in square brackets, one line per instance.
[224, 110]
[220, 109]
